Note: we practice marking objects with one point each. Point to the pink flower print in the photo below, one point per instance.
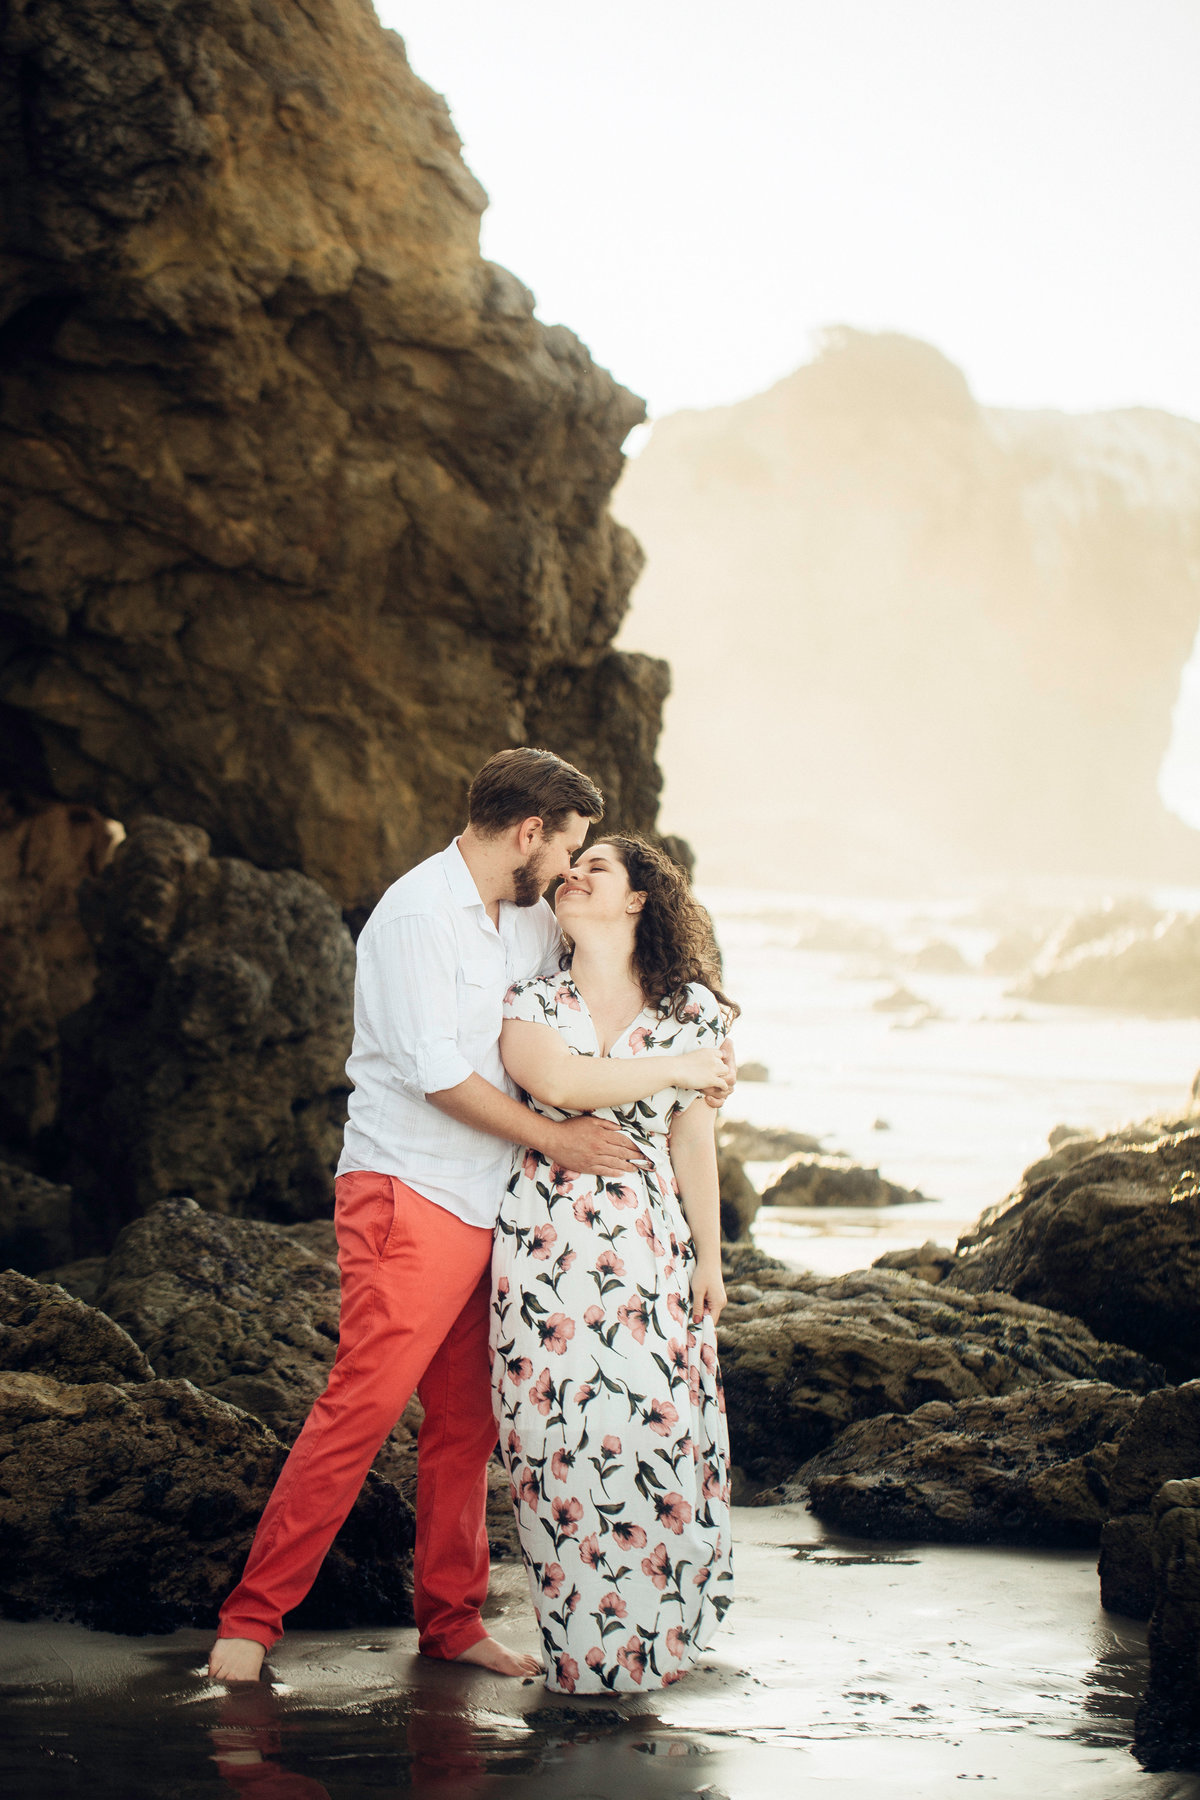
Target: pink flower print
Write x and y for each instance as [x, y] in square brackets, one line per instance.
[567, 1514]
[700, 1578]
[560, 1464]
[668, 1271]
[519, 1370]
[633, 1658]
[670, 1675]
[712, 1482]
[567, 1671]
[514, 1445]
[639, 1039]
[531, 1162]
[590, 1552]
[645, 1227]
[612, 1606]
[611, 1444]
[708, 1357]
[676, 1308]
[657, 1566]
[556, 1332]
[674, 1243]
[586, 1210]
[542, 1242]
[686, 1445]
[620, 1195]
[528, 1490]
[660, 1415]
[609, 1263]
[502, 1285]
[593, 1316]
[565, 1260]
[542, 1393]
[677, 1642]
[583, 1394]
[564, 996]
[561, 1179]
[677, 1355]
[690, 1011]
[629, 1536]
[571, 1601]
[673, 1511]
[634, 1316]
[693, 1377]
[595, 1657]
[553, 1576]
[511, 995]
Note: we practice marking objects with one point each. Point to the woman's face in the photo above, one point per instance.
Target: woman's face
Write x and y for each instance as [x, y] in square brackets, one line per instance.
[596, 890]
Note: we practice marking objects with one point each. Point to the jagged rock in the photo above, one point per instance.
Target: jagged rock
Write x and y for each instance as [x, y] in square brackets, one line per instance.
[928, 1261]
[1162, 1444]
[1110, 1233]
[804, 1356]
[1167, 1729]
[753, 1071]
[129, 1502]
[939, 958]
[739, 1196]
[901, 1000]
[763, 1143]
[1030, 1467]
[1149, 969]
[210, 1060]
[305, 512]
[35, 1220]
[81, 1278]
[830, 1181]
[47, 965]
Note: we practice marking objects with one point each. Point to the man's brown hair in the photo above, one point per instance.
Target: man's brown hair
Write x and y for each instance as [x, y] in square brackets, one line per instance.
[526, 784]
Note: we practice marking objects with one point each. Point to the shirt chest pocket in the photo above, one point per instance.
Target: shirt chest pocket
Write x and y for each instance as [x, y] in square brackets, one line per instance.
[480, 998]
[479, 972]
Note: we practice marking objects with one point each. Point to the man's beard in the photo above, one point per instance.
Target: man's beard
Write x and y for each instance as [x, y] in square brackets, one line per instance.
[528, 882]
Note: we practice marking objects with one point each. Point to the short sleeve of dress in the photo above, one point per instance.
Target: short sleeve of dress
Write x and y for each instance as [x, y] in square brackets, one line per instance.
[533, 1001]
[703, 1026]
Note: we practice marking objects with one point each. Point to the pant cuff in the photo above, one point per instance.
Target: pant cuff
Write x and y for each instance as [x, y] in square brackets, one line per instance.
[446, 1645]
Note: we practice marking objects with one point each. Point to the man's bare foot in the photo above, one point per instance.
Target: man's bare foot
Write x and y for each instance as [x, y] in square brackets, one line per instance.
[490, 1653]
[236, 1659]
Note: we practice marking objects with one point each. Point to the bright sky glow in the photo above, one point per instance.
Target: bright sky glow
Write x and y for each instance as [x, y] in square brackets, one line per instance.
[693, 187]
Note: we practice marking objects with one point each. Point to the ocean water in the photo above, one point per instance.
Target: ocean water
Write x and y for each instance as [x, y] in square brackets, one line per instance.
[956, 1102]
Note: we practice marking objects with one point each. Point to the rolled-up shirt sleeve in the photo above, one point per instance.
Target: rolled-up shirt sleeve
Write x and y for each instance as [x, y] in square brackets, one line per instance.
[413, 985]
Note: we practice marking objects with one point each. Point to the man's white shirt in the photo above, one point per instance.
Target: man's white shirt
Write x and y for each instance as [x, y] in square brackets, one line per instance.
[428, 997]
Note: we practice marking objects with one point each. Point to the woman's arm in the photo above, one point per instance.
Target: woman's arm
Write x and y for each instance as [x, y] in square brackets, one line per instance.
[694, 1160]
[538, 1059]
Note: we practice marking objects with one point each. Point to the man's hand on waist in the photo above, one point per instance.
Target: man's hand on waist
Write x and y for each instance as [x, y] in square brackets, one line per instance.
[589, 1146]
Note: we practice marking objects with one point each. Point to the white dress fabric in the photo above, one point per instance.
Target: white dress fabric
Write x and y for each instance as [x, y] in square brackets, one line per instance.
[608, 1399]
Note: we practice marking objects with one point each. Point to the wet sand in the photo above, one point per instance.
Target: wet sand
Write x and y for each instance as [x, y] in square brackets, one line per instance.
[845, 1667]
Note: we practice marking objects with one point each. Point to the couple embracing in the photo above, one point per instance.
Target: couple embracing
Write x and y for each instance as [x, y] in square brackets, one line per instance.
[563, 1295]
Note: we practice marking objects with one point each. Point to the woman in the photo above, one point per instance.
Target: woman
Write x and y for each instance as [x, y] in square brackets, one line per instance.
[606, 1294]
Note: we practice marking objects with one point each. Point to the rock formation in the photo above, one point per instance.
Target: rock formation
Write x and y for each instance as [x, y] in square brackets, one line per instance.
[830, 1181]
[1167, 1731]
[1030, 1467]
[1162, 1444]
[304, 512]
[129, 1502]
[1109, 1232]
[803, 1356]
[211, 1058]
[1151, 966]
[763, 1143]
[739, 1197]
[35, 1220]
[944, 641]
[928, 1261]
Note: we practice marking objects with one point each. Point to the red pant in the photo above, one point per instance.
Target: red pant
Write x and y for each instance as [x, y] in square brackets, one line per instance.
[416, 1288]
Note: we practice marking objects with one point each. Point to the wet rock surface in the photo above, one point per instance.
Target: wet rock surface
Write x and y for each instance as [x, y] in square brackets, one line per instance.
[1028, 1467]
[738, 1194]
[1161, 1445]
[1129, 957]
[1109, 1233]
[210, 1060]
[129, 1502]
[763, 1143]
[1167, 1733]
[804, 1356]
[928, 1261]
[307, 513]
[831, 1181]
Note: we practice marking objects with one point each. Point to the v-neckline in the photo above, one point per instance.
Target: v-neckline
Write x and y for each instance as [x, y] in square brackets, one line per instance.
[625, 1029]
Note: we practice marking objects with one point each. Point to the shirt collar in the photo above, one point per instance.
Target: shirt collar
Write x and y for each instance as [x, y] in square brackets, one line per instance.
[459, 878]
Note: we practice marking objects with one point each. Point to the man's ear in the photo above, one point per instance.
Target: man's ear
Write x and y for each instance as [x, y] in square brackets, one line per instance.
[529, 833]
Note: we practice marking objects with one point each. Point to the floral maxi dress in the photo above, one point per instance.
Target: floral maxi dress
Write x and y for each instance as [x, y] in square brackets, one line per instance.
[608, 1399]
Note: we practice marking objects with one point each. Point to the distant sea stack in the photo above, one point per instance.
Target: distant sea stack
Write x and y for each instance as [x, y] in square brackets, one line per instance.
[918, 641]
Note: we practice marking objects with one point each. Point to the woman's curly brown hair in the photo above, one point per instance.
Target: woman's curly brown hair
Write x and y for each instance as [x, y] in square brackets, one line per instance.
[674, 941]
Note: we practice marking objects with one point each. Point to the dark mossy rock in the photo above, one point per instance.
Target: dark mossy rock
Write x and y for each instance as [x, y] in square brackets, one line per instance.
[1167, 1729]
[1161, 1445]
[739, 1198]
[1030, 1467]
[831, 1181]
[804, 1356]
[35, 1220]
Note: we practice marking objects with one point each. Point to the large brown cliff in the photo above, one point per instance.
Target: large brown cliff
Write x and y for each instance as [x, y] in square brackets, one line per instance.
[302, 512]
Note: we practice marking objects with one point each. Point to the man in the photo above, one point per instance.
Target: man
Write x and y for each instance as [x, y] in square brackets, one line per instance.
[423, 1170]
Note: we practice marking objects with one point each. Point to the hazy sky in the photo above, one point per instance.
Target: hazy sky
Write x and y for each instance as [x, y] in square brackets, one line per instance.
[694, 187]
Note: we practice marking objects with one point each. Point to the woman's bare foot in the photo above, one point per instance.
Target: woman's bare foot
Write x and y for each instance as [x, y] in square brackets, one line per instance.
[490, 1653]
[236, 1659]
